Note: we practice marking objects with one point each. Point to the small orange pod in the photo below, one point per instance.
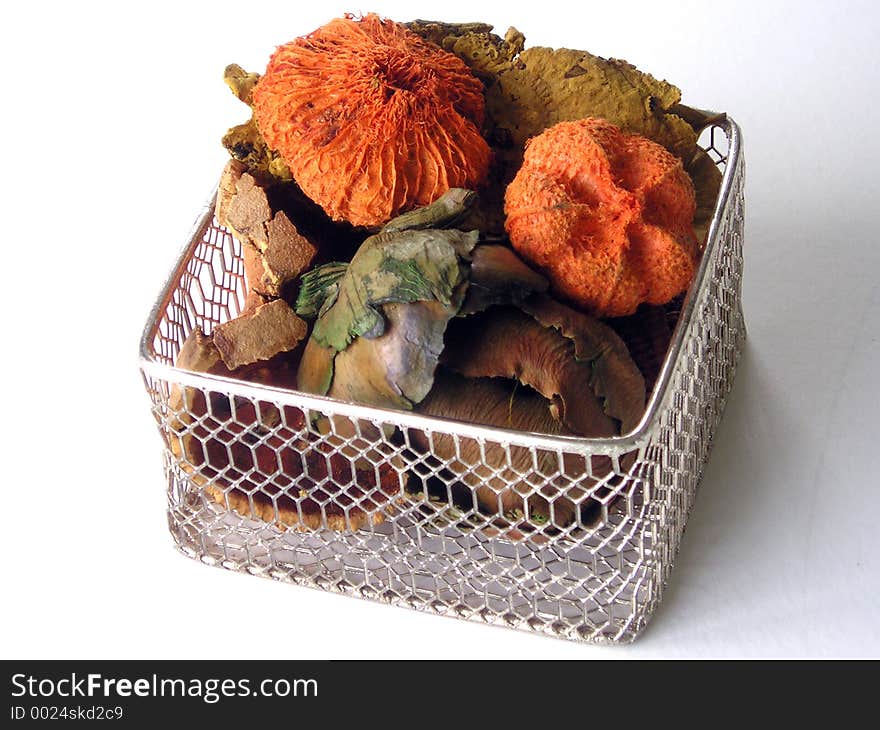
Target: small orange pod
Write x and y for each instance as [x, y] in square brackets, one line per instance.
[606, 215]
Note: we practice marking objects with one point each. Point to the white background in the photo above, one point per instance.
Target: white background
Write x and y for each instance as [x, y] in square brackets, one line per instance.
[111, 120]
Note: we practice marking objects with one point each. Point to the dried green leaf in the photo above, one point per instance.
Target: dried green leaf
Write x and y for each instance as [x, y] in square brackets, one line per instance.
[318, 286]
[381, 321]
[445, 212]
[399, 266]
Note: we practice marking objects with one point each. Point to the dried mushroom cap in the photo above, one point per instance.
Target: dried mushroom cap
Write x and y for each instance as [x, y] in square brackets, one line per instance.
[615, 380]
[579, 365]
[489, 471]
[542, 368]
[372, 119]
[606, 215]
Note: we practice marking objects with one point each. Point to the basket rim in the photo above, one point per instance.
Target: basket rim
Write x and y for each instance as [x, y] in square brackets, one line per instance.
[407, 419]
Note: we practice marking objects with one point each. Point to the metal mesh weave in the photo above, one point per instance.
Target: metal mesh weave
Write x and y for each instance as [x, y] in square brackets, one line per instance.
[361, 501]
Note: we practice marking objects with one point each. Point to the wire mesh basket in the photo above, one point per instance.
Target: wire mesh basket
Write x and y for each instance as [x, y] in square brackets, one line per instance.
[356, 500]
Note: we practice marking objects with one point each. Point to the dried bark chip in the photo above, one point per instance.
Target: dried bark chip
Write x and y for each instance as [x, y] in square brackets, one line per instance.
[275, 252]
[288, 252]
[247, 211]
[198, 354]
[255, 273]
[259, 335]
[227, 188]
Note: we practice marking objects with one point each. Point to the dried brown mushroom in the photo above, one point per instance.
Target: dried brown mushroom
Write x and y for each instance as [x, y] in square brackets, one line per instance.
[542, 368]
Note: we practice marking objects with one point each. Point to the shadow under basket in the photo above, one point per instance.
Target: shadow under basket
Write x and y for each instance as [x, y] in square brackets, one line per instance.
[348, 498]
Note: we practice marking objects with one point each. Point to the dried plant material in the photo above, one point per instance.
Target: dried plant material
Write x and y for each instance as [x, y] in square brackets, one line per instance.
[699, 119]
[259, 335]
[253, 299]
[615, 379]
[199, 354]
[283, 477]
[498, 276]
[254, 270]
[606, 215]
[242, 205]
[529, 90]
[444, 212]
[296, 483]
[244, 142]
[395, 370]
[507, 343]
[287, 254]
[275, 252]
[371, 119]
[259, 460]
[579, 365]
[647, 335]
[543, 368]
[492, 473]
[381, 319]
[399, 266]
[568, 85]
[707, 183]
[187, 404]
[240, 82]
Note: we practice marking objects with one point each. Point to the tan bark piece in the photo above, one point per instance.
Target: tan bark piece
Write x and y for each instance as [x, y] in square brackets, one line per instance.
[255, 272]
[275, 252]
[259, 335]
[226, 189]
[198, 353]
[288, 253]
[246, 210]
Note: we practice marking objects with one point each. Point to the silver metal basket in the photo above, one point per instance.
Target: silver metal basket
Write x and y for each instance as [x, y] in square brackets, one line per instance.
[355, 507]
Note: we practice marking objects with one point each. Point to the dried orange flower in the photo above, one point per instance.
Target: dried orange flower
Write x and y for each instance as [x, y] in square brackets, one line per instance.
[607, 215]
[372, 119]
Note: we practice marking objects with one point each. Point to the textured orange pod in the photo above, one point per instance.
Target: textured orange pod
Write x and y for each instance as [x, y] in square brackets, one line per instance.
[371, 119]
[606, 215]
